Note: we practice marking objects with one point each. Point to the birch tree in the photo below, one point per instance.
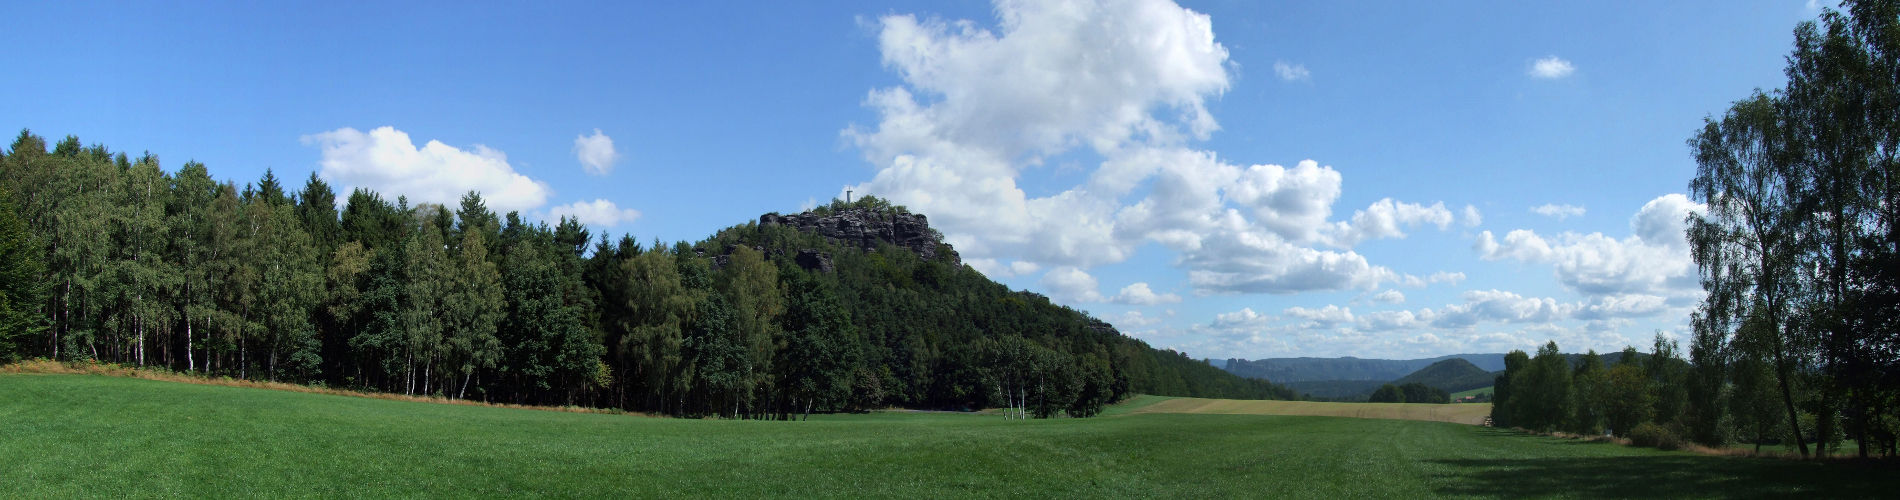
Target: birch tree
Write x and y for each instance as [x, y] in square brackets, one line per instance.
[1745, 245]
[473, 311]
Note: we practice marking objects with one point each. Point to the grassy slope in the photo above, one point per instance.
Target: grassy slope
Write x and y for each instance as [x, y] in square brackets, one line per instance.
[1473, 392]
[67, 435]
[1134, 404]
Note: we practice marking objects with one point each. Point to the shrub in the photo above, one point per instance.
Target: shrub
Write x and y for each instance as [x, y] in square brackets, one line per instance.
[1655, 436]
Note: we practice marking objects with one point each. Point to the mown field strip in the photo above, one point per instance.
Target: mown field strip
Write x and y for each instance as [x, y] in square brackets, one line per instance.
[1462, 413]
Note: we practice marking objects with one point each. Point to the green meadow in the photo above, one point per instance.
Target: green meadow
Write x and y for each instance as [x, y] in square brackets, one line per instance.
[97, 436]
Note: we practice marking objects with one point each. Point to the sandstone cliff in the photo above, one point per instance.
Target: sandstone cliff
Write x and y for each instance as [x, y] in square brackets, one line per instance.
[863, 229]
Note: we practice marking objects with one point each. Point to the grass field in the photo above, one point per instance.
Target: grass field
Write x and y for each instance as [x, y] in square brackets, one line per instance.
[94, 436]
[1473, 392]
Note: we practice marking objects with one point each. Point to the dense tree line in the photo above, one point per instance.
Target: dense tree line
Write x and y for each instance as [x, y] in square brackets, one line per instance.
[109, 257]
[1557, 392]
[1411, 392]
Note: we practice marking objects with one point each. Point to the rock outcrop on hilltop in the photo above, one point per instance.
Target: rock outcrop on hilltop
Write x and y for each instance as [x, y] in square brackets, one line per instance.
[863, 229]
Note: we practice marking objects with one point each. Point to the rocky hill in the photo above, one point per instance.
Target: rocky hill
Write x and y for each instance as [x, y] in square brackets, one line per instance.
[863, 228]
[927, 331]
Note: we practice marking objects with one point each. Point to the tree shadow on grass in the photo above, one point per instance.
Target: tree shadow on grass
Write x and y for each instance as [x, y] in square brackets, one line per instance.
[1676, 476]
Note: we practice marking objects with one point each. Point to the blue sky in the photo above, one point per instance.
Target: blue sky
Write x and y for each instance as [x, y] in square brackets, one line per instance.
[1229, 178]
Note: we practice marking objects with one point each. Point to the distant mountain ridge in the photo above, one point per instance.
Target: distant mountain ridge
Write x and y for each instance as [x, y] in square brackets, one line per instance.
[1350, 378]
[1293, 370]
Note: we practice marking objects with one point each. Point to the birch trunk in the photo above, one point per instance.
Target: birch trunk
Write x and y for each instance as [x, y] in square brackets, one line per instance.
[139, 323]
[65, 315]
[191, 365]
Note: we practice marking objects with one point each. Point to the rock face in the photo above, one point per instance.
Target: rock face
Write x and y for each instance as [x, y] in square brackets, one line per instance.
[813, 260]
[865, 228]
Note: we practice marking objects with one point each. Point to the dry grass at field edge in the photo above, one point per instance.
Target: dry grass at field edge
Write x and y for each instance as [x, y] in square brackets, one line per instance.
[1459, 413]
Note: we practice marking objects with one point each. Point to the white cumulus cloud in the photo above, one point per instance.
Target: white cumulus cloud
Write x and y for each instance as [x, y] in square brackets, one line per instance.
[1070, 284]
[1256, 262]
[1388, 219]
[1293, 202]
[1291, 72]
[1449, 277]
[599, 213]
[1483, 321]
[1382, 321]
[1561, 212]
[1133, 319]
[1664, 221]
[1499, 306]
[997, 269]
[1621, 306]
[1244, 318]
[1551, 68]
[1126, 80]
[1054, 73]
[977, 106]
[1074, 285]
[1324, 316]
[596, 153]
[386, 161]
[1139, 294]
[1654, 260]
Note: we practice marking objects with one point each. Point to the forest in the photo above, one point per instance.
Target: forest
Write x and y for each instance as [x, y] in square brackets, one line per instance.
[1412, 392]
[112, 258]
[1798, 339]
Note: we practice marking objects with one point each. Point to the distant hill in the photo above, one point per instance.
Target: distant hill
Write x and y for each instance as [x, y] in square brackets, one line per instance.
[1288, 370]
[1452, 375]
[1350, 378]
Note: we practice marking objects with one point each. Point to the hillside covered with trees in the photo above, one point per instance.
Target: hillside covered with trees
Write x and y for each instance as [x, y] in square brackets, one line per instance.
[1451, 375]
[1285, 370]
[113, 258]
